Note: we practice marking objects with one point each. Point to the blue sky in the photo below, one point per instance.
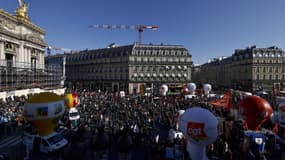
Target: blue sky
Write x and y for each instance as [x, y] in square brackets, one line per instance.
[207, 28]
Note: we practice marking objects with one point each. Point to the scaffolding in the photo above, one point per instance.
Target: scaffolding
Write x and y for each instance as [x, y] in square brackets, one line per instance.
[19, 75]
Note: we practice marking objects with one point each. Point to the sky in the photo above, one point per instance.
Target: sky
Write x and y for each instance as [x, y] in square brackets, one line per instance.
[207, 28]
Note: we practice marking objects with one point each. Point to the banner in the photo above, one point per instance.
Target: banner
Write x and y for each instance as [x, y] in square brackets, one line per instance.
[225, 101]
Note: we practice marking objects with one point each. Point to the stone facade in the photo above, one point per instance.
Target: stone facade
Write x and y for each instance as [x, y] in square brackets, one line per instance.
[132, 68]
[22, 49]
[22, 43]
[247, 69]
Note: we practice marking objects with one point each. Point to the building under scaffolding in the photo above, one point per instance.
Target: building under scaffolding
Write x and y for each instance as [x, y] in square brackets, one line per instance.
[22, 49]
[16, 76]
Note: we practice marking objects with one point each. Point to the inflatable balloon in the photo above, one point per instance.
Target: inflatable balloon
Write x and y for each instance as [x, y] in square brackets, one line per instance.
[163, 90]
[177, 117]
[185, 90]
[207, 88]
[71, 100]
[255, 111]
[44, 110]
[200, 127]
[192, 87]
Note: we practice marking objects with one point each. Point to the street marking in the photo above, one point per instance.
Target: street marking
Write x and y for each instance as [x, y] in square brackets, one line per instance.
[15, 143]
[7, 139]
[11, 141]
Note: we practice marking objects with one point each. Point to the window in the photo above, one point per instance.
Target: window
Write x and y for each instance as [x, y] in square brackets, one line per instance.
[33, 63]
[257, 76]
[270, 77]
[276, 76]
[56, 138]
[266, 54]
[9, 60]
[264, 77]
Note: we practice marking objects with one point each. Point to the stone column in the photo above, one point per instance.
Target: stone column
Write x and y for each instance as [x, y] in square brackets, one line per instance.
[25, 54]
[28, 55]
[20, 54]
[42, 62]
[2, 54]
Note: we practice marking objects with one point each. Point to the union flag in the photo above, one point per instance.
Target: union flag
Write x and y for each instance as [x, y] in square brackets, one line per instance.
[225, 101]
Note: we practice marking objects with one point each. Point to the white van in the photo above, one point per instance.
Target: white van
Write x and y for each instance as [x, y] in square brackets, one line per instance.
[46, 144]
[73, 116]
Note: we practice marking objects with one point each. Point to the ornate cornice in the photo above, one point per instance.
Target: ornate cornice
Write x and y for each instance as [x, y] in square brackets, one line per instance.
[21, 21]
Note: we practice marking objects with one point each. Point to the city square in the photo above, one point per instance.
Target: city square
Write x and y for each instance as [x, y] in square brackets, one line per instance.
[160, 100]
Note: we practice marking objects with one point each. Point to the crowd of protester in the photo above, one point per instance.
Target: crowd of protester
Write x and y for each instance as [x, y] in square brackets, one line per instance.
[11, 115]
[135, 123]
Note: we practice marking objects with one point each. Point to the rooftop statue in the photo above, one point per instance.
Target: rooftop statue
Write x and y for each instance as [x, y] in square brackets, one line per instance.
[22, 10]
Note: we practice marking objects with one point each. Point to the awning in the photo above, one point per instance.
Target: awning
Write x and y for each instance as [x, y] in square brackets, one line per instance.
[160, 75]
[166, 75]
[148, 75]
[173, 75]
[185, 75]
[166, 67]
[135, 75]
[172, 67]
[179, 75]
[185, 67]
[141, 75]
[154, 74]
[179, 67]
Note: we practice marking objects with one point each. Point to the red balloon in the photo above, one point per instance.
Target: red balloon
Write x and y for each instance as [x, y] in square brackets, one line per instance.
[185, 90]
[255, 111]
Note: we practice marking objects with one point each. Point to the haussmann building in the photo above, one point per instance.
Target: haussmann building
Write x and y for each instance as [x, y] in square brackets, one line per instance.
[249, 69]
[133, 68]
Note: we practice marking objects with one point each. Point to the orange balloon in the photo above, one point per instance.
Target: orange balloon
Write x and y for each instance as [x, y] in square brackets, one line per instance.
[71, 100]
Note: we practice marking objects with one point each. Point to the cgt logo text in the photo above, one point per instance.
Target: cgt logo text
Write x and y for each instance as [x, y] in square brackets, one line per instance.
[196, 131]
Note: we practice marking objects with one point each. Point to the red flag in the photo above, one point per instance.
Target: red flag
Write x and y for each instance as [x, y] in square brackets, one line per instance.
[225, 101]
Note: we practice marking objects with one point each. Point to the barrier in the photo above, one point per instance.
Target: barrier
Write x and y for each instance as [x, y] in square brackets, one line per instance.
[25, 92]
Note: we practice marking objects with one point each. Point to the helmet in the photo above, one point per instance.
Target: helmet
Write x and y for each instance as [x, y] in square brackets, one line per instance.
[255, 111]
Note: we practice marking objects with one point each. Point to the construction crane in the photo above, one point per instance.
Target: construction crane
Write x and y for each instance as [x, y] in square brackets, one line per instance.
[49, 48]
[139, 28]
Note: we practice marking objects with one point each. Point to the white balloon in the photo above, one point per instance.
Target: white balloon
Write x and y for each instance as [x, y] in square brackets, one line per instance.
[163, 90]
[179, 114]
[192, 87]
[207, 88]
[200, 127]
